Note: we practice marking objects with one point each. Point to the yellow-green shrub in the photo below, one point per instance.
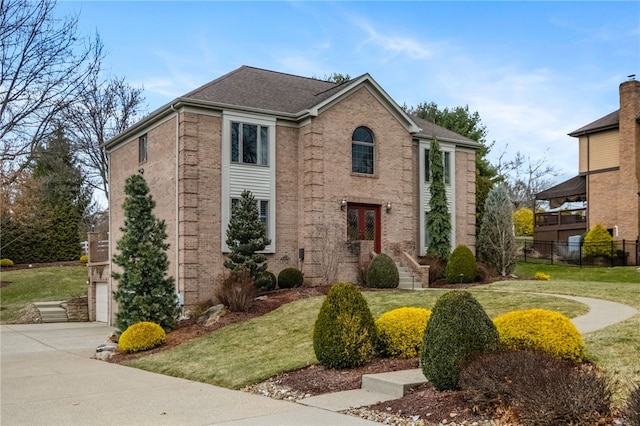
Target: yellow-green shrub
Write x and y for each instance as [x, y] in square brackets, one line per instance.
[141, 336]
[523, 221]
[84, 258]
[541, 276]
[597, 242]
[542, 330]
[400, 332]
[5, 263]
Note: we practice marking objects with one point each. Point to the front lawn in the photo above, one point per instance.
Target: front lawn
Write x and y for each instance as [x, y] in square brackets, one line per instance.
[252, 351]
[23, 286]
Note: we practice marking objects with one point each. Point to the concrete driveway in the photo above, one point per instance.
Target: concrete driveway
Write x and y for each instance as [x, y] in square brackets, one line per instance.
[48, 378]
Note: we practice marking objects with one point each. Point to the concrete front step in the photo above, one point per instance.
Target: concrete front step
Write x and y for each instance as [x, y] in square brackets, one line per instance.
[375, 388]
[52, 304]
[394, 383]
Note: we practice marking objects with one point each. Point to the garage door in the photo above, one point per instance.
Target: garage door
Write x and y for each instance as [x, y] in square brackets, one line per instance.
[102, 302]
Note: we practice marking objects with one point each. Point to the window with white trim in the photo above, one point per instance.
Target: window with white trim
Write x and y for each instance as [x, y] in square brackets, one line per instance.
[446, 163]
[362, 158]
[249, 144]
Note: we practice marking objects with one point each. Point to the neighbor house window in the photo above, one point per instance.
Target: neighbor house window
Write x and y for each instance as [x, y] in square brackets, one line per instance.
[362, 151]
[142, 149]
[249, 144]
[446, 162]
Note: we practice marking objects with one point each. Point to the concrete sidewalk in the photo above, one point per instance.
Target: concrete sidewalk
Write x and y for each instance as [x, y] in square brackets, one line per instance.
[48, 378]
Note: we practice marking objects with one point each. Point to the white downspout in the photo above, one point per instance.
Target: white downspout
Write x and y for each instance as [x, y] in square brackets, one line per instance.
[177, 249]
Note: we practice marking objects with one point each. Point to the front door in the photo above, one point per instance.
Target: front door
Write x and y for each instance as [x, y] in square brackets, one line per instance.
[363, 223]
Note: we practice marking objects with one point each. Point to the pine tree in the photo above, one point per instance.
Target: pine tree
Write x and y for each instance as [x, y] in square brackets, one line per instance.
[438, 219]
[246, 237]
[496, 241]
[144, 292]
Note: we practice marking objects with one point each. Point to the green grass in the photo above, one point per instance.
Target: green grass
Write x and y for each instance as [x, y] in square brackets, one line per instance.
[39, 285]
[618, 274]
[250, 352]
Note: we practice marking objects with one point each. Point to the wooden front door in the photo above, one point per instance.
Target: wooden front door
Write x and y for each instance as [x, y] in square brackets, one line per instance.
[363, 223]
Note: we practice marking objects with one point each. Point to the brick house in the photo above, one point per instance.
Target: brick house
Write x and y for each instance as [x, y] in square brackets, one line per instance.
[609, 173]
[339, 170]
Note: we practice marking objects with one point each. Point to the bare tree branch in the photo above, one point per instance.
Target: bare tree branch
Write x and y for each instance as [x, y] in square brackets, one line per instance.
[43, 63]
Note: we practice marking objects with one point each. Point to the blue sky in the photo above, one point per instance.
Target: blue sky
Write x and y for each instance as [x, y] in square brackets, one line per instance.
[534, 71]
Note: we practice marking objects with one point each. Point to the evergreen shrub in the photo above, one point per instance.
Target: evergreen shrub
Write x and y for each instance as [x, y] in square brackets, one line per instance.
[458, 329]
[461, 267]
[84, 258]
[141, 337]
[541, 330]
[597, 242]
[344, 334]
[401, 331]
[6, 263]
[537, 388]
[290, 278]
[382, 272]
[266, 281]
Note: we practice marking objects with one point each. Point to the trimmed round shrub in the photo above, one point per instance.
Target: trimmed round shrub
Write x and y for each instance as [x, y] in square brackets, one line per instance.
[382, 272]
[84, 258]
[541, 276]
[541, 330]
[597, 242]
[344, 333]
[141, 337]
[5, 263]
[461, 267]
[266, 281]
[458, 329]
[290, 278]
[400, 332]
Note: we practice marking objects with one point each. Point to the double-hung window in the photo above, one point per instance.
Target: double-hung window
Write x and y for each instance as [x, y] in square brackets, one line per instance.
[249, 144]
[446, 163]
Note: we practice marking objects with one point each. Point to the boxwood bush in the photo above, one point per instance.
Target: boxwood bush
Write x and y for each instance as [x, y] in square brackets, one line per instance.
[461, 266]
[5, 263]
[458, 329]
[141, 337]
[541, 330]
[382, 272]
[401, 331]
[344, 333]
[290, 278]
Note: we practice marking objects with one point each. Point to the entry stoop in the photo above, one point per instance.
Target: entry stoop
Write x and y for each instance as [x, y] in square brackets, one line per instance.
[407, 280]
[394, 383]
[52, 312]
[375, 388]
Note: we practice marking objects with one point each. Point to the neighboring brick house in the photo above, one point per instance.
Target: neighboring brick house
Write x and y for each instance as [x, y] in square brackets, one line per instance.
[609, 170]
[338, 170]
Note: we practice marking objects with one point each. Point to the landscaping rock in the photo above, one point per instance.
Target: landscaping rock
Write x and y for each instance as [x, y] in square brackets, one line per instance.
[212, 315]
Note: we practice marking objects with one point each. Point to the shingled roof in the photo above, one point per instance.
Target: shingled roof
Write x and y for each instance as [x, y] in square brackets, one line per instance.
[256, 88]
[608, 122]
[430, 130]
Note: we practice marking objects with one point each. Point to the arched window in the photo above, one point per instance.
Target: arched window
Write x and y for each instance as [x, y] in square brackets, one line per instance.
[362, 151]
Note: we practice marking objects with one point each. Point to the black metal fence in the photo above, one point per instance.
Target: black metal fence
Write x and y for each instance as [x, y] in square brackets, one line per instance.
[579, 253]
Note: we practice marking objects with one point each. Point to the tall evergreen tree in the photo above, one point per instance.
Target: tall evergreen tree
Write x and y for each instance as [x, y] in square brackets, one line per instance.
[496, 241]
[144, 292]
[62, 193]
[438, 219]
[246, 237]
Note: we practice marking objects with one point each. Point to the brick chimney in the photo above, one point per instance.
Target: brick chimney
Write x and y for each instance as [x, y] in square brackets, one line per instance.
[629, 190]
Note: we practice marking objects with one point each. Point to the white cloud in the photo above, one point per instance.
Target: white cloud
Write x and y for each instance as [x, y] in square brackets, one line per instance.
[394, 45]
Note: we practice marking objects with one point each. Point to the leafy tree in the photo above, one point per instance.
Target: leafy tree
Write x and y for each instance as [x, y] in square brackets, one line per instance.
[496, 242]
[338, 78]
[523, 222]
[246, 237]
[44, 63]
[438, 219]
[144, 292]
[465, 123]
